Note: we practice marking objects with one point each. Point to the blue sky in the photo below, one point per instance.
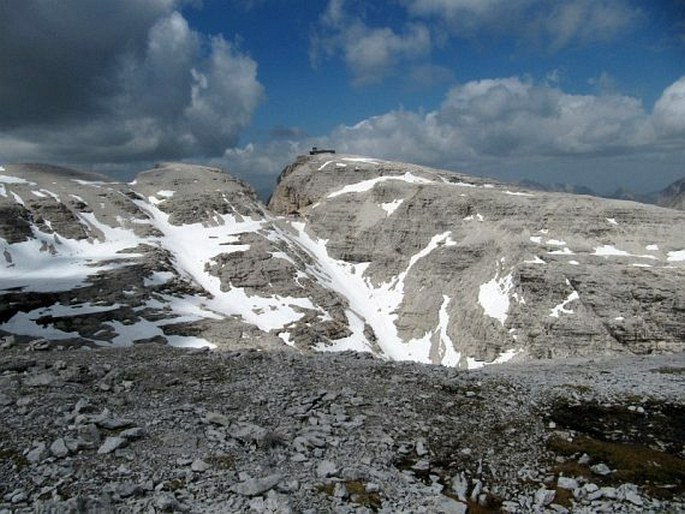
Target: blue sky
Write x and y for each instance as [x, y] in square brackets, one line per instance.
[587, 92]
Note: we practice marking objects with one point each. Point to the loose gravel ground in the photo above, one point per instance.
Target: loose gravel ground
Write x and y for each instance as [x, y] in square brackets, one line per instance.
[159, 429]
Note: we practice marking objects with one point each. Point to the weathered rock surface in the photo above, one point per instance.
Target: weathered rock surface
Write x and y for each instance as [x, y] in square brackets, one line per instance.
[184, 254]
[457, 269]
[184, 430]
[399, 260]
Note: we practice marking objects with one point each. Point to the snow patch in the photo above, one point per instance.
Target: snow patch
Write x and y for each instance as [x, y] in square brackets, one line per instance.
[652, 248]
[375, 305]
[17, 198]
[195, 246]
[355, 342]
[561, 308]
[493, 296]
[535, 260]
[608, 251]
[612, 221]
[391, 207]
[157, 278]
[51, 263]
[503, 357]
[518, 193]
[367, 185]
[6, 179]
[448, 356]
[677, 256]
[361, 159]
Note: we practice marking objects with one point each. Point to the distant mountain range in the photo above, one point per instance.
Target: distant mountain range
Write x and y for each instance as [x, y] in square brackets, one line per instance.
[672, 196]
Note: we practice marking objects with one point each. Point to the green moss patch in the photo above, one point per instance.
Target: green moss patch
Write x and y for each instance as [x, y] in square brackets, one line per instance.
[661, 474]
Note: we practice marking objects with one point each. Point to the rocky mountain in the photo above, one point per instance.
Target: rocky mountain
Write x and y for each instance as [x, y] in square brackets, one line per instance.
[556, 187]
[352, 253]
[673, 196]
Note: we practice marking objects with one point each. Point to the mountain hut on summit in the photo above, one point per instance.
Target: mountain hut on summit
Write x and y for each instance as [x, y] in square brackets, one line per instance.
[315, 151]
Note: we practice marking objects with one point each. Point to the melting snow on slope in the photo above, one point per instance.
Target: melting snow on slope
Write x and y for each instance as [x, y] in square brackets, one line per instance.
[493, 296]
[447, 354]
[49, 262]
[25, 323]
[360, 159]
[376, 305]
[678, 256]
[157, 278]
[611, 251]
[391, 207]
[503, 357]
[608, 250]
[195, 246]
[561, 308]
[17, 198]
[367, 185]
[6, 179]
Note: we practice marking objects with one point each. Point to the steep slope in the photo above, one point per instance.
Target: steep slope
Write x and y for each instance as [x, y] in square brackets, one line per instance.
[399, 260]
[673, 196]
[184, 254]
[449, 269]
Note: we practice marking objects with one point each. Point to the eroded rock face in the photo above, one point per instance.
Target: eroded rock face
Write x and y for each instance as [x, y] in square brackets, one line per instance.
[462, 269]
[184, 254]
[399, 260]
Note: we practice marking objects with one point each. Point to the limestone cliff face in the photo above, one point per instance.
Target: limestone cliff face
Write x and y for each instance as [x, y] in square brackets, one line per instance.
[184, 254]
[462, 269]
[352, 253]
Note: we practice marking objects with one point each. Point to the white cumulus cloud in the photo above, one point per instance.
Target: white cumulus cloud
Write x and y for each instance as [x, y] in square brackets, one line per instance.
[370, 53]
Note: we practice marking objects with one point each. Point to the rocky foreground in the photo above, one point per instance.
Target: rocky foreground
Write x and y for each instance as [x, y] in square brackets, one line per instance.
[152, 428]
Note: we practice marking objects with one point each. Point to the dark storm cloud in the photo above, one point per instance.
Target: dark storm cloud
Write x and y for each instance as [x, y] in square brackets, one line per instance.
[58, 58]
[117, 81]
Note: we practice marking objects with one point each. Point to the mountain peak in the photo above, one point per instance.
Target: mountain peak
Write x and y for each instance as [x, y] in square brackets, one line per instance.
[352, 253]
